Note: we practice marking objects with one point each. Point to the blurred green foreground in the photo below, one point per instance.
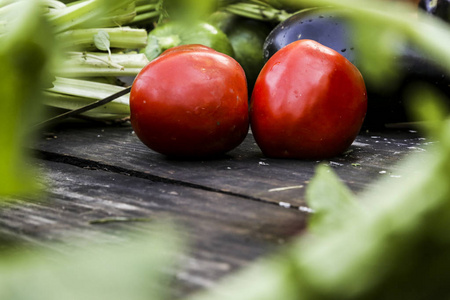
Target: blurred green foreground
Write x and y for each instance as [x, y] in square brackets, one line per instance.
[391, 242]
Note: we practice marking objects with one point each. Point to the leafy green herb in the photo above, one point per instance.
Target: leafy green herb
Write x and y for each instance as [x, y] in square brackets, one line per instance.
[332, 202]
[26, 52]
[101, 41]
[133, 269]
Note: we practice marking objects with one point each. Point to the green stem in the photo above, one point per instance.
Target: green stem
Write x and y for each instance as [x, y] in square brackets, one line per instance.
[146, 8]
[120, 37]
[258, 11]
[97, 65]
[88, 13]
[71, 94]
[145, 18]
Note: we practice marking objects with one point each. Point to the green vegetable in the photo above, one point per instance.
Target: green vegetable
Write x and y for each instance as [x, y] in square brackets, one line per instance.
[173, 34]
[92, 13]
[190, 10]
[331, 201]
[247, 37]
[101, 41]
[71, 94]
[119, 37]
[136, 268]
[91, 64]
[391, 244]
[94, 45]
[26, 55]
[147, 13]
[259, 10]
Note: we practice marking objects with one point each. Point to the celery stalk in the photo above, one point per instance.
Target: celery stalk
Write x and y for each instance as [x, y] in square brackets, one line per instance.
[120, 37]
[120, 16]
[87, 88]
[88, 13]
[146, 8]
[68, 93]
[110, 111]
[53, 4]
[71, 16]
[146, 18]
[258, 11]
[78, 25]
[101, 64]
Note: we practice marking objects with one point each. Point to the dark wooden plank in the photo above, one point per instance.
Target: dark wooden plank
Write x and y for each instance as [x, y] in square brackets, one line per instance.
[227, 232]
[244, 171]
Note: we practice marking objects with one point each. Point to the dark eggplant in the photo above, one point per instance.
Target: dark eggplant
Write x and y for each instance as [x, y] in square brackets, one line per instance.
[326, 26]
[331, 28]
[438, 8]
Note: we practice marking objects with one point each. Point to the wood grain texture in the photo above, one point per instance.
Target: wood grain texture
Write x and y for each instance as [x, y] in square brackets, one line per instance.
[80, 206]
[244, 171]
[101, 181]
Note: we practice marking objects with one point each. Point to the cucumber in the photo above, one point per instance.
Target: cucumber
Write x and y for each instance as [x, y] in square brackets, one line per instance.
[247, 38]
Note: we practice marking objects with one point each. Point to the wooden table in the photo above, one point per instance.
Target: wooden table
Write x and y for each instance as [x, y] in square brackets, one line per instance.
[101, 180]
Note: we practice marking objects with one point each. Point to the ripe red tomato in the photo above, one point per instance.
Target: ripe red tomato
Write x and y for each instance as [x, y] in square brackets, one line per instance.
[190, 102]
[309, 102]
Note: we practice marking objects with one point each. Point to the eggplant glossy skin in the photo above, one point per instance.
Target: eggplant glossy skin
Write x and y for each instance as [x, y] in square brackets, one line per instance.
[439, 8]
[331, 28]
[327, 27]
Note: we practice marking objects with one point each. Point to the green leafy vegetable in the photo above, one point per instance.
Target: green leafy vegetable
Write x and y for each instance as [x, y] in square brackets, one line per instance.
[86, 29]
[69, 94]
[101, 41]
[119, 37]
[397, 249]
[332, 202]
[26, 43]
[137, 268]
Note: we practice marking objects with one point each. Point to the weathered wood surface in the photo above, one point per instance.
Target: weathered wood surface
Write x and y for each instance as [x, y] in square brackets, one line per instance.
[234, 209]
[244, 171]
[227, 232]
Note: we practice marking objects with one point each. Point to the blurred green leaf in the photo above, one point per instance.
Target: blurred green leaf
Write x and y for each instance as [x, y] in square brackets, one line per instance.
[397, 250]
[189, 10]
[332, 202]
[26, 48]
[270, 278]
[381, 27]
[138, 267]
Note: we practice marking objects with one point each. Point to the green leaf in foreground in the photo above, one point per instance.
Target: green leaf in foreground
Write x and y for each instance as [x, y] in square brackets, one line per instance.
[398, 249]
[332, 202]
[25, 52]
[382, 26]
[137, 268]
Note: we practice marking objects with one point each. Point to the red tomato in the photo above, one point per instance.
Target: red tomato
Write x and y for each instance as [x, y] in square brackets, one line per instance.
[309, 102]
[190, 102]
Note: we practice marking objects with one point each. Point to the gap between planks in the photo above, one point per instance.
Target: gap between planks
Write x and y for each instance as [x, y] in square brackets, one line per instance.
[93, 165]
